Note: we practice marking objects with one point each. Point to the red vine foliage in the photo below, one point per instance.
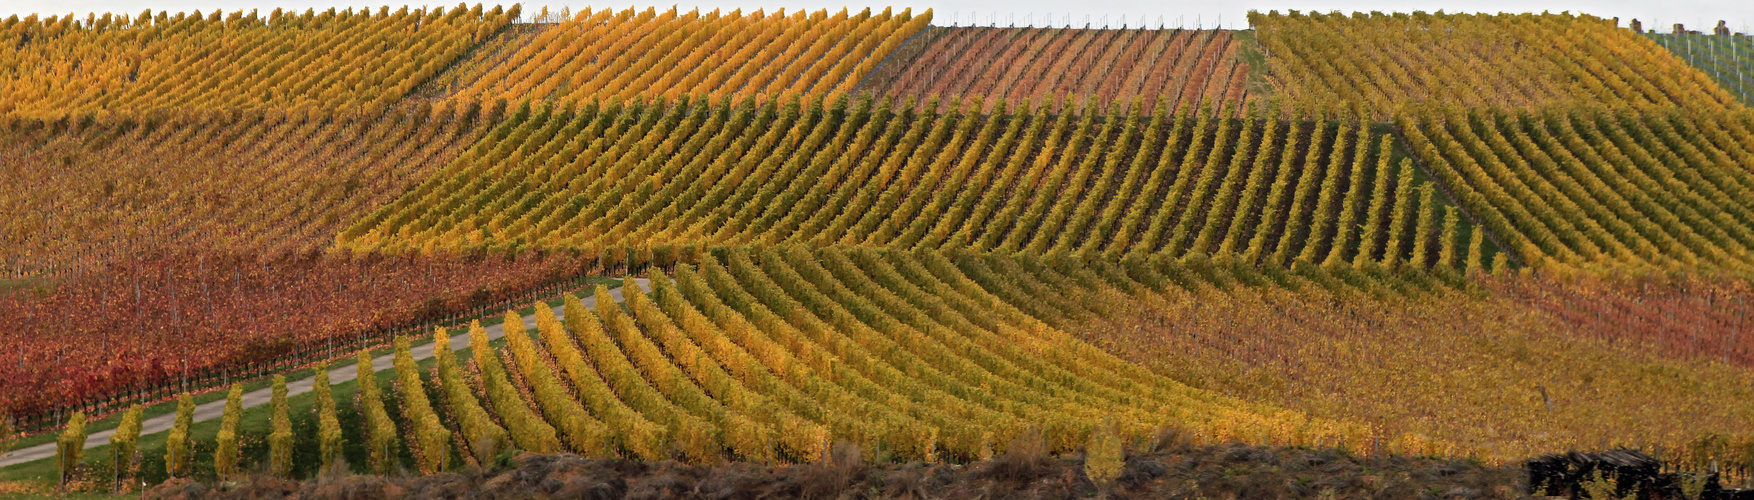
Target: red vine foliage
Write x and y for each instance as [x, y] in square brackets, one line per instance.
[150, 321]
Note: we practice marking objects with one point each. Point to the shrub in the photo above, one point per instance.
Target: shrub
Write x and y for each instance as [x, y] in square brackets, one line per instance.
[380, 431]
[433, 438]
[1103, 457]
[280, 431]
[124, 443]
[177, 449]
[482, 435]
[328, 425]
[7, 435]
[225, 456]
[70, 447]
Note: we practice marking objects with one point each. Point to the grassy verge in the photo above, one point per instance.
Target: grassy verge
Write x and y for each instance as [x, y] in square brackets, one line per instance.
[253, 429]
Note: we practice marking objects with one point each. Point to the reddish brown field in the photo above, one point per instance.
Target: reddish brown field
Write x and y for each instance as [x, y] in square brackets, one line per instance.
[1691, 318]
[1182, 67]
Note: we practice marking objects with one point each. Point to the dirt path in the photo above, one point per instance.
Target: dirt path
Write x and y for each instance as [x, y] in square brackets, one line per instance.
[215, 409]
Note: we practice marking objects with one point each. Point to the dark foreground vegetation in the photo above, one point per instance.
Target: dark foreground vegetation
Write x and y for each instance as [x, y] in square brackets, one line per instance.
[1623, 474]
[1219, 471]
[1216, 471]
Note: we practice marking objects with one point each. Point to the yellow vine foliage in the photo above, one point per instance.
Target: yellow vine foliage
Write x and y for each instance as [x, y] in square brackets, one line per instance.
[668, 177]
[632, 53]
[1444, 375]
[1588, 188]
[347, 59]
[270, 180]
[775, 354]
[1372, 64]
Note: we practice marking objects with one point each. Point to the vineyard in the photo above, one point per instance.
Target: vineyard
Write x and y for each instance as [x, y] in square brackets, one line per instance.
[599, 180]
[175, 316]
[120, 64]
[1373, 64]
[1692, 318]
[1582, 187]
[273, 182]
[606, 54]
[1541, 365]
[777, 354]
[241, 248]
[1728, 60]
[1183, 67]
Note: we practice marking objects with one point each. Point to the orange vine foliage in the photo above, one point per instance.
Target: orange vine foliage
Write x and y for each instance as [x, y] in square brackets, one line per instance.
[601, 54]
[118, 63]
[257, 181]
